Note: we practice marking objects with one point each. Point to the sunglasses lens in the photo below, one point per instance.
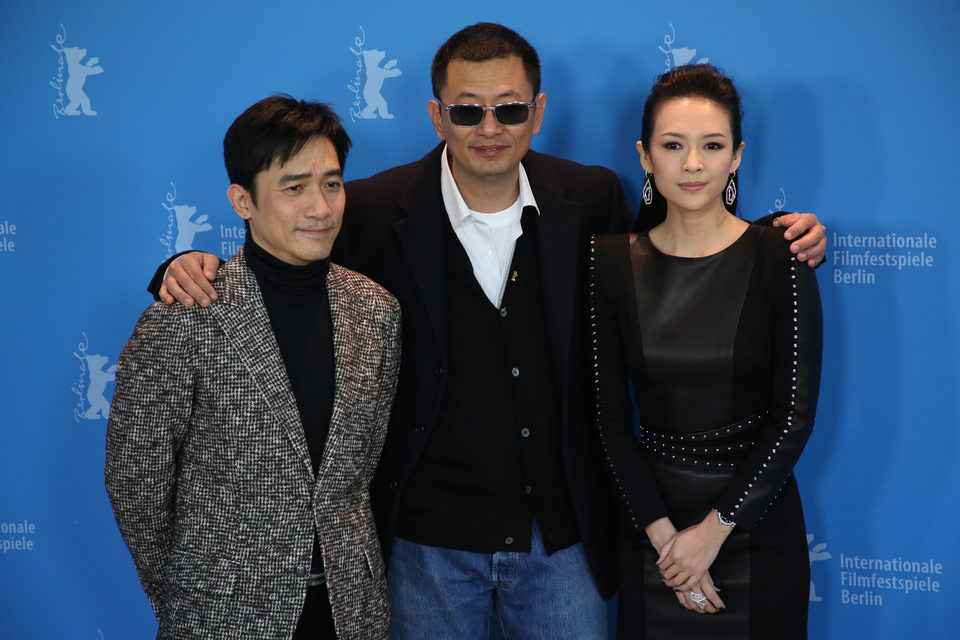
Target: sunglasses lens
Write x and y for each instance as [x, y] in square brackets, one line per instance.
[513, 113]
[470, 115]
[466, 115]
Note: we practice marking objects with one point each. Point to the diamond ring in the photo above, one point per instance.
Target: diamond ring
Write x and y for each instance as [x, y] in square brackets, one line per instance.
[699, 598]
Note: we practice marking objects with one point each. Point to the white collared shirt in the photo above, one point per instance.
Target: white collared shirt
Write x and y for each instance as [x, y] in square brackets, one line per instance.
[488, 238]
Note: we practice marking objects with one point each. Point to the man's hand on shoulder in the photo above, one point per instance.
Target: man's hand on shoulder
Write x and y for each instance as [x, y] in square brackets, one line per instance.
[810, 235]
[188, 280]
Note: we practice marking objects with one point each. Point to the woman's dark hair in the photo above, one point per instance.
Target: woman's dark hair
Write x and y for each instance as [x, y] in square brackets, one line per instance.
[687, 81]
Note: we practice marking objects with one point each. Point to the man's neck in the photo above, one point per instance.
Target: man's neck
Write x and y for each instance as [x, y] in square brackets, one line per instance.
[488, 194]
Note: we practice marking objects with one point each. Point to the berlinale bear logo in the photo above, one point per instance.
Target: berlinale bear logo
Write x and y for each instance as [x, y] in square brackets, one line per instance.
[70, 59]
[368, 81]
[677, 56]
[188, 229]
[182, 227]
[77, 73]
[95, 375]
[816, 552]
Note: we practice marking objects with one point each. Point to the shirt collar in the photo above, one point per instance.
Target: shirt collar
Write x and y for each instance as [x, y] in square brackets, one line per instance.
[457, 209]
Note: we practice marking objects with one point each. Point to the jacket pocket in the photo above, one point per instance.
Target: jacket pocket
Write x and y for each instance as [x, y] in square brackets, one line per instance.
[198, 595]
[374, 563]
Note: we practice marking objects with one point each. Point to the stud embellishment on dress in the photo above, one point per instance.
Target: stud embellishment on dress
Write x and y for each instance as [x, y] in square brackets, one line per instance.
[598, 413]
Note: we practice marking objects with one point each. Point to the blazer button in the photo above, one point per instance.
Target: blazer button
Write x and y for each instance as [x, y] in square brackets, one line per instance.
[438, 371]
[525, 432]
[393, 485]
[418, 428]
[509, 540]
[300, 571]
[503, 312]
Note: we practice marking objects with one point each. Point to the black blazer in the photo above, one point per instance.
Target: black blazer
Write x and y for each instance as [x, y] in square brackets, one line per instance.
[392, 233]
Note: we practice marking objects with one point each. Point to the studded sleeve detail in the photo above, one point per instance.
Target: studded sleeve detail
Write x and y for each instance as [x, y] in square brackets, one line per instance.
[634, 485]
[795, 383]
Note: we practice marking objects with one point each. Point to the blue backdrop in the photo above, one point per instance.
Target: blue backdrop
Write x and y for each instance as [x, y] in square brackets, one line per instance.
[111, 126]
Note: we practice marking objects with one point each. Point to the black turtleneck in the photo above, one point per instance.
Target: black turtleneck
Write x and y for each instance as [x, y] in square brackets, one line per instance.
[296, 301]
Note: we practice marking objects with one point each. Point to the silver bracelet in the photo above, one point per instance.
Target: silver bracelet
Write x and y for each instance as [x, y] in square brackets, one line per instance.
[724, 521]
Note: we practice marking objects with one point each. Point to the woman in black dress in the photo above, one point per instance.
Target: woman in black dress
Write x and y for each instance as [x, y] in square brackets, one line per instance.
[718, 330]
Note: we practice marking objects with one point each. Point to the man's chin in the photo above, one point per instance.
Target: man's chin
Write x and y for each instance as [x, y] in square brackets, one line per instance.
[306, 255]
[500, 167]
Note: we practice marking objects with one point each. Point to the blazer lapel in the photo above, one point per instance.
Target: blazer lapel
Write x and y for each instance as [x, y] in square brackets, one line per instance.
[347, 349]
[244, 320]
[420, 235]
[558, 235]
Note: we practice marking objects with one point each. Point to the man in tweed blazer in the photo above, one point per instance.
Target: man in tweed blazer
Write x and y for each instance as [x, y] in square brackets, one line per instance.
[222, 483]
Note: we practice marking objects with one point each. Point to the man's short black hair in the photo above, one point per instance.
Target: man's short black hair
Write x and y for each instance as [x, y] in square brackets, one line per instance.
[481, 42]
[274, 130]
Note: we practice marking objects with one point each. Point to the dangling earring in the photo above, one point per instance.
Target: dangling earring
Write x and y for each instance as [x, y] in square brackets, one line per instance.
[730, 195]
[647, 190]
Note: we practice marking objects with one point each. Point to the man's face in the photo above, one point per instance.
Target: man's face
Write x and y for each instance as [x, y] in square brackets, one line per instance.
[299, 205]
[489, 151]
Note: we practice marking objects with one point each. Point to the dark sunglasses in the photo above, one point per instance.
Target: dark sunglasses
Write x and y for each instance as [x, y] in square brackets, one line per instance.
[470, 115]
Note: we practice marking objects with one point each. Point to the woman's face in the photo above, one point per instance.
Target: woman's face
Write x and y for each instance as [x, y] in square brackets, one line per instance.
[691, 154]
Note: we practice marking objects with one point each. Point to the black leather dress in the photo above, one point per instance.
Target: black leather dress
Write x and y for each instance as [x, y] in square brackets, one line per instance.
[722, 355]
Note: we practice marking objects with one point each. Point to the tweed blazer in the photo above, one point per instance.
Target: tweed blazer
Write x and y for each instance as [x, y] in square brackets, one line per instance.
[209, 474]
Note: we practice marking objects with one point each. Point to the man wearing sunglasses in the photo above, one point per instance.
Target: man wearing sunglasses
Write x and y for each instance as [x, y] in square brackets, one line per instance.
[492, 497]
[489, 497]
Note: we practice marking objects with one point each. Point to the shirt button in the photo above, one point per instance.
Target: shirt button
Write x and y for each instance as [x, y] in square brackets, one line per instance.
[509, 540]
[527, 489]
[515, 372]
[525, 432]
[300, 571]
[503, 312]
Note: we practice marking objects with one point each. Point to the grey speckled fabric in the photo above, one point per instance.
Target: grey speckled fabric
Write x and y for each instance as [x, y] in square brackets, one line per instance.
[209, 475]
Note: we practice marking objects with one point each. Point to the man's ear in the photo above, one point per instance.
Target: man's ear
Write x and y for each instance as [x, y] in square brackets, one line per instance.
[433, 108]
[241, 200]
[540, 103]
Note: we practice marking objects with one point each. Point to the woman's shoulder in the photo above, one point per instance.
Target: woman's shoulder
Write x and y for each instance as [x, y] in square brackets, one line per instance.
[771, 238]
[611, 247]
[610, 242]
[610, 254]
[775, 261]
[771, 245]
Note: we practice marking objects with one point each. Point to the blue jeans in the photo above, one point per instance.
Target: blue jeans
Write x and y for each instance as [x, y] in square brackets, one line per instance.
[445, 594]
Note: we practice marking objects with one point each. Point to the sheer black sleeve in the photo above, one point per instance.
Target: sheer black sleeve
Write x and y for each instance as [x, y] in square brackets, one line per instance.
[795, 385]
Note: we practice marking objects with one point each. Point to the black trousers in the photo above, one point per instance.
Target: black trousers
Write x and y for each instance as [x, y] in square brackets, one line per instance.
[316, 619]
